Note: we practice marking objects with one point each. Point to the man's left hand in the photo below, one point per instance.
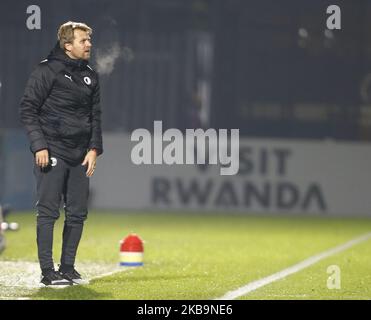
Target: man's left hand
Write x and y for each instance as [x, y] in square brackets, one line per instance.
[91, 161]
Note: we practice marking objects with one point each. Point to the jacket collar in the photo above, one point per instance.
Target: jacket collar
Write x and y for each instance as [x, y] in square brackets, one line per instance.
[58, 54]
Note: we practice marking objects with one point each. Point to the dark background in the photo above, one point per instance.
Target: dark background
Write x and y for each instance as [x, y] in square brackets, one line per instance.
[267, 67]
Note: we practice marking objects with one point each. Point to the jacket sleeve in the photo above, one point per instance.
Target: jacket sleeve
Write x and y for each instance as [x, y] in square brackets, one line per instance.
[96, 136]
[36, 91]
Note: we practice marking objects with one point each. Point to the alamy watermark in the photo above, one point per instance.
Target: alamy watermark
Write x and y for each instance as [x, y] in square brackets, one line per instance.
[33, 21]
[334, 279]
[196, 146]
[334, 20]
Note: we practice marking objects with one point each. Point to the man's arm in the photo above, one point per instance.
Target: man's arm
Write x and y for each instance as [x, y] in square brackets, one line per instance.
[96, 136]
[95, 144]
[36, 91]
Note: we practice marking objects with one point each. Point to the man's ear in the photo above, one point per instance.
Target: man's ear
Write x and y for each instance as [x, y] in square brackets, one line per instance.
[68, 46]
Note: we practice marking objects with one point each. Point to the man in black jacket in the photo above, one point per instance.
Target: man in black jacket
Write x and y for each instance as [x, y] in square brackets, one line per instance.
[60, 110]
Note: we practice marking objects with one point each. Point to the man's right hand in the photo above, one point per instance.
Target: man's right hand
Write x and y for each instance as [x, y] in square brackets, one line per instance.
[42, 158]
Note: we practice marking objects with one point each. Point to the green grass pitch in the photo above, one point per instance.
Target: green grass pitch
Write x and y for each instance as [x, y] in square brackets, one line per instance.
[194, 256]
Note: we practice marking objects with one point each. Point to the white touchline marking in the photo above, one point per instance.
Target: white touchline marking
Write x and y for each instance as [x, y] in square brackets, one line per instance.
[15, 298]
[26, 274]
[293, 269]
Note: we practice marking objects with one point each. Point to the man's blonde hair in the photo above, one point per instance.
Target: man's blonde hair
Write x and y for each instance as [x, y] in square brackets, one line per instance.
[65, 32]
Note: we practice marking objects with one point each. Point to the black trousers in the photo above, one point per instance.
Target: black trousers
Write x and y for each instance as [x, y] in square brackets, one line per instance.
[58, 181]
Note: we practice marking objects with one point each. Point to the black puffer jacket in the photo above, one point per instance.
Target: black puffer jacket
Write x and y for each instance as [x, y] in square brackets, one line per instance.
[60, 108]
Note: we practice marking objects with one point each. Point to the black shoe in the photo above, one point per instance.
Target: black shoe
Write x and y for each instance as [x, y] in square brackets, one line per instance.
[72, 275]
[53, 279]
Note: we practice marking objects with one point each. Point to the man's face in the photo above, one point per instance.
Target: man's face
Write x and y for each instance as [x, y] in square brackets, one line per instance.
[81, 46]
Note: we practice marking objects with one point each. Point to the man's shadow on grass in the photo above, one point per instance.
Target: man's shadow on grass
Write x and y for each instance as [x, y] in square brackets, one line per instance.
[165, 277]
[78, 292]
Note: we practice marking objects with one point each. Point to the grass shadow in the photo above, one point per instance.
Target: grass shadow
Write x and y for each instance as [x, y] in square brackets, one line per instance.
[78, 292]
[143, 278]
